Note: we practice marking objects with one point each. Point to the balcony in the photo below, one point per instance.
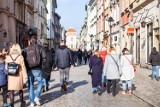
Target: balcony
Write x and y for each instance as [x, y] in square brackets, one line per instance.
[138, 4]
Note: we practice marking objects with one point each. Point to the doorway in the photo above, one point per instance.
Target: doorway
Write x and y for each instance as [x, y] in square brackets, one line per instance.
[138, 46]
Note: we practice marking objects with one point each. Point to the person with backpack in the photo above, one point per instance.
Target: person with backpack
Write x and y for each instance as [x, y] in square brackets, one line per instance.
[96, 66]
[34, 67]
[17, 74]
[47, 64]
[63, 61]
[3, 80]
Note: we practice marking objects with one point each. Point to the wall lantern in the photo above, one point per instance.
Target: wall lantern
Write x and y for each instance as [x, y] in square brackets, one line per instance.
[5, 33]
[143, 24]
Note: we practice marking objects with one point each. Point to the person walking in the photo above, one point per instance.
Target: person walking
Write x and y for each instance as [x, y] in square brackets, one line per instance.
[85, 56]
[3, 80]
[103, 54]
[127, 71]
[96, 65]
[79, 54]
[63, 61]
[34, 67]
[15, 83]
[112, 70]
[155, 62]
[47, 64]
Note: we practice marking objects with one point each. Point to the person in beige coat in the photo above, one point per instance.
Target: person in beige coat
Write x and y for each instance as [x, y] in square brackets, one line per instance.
[15, 83]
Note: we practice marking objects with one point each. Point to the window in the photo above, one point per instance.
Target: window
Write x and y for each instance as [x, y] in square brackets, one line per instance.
[71, 38]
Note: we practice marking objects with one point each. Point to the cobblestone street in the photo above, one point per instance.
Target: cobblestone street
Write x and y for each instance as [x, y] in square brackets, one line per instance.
[80, 94]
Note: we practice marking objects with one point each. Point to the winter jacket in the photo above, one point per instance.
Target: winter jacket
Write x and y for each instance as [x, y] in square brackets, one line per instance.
[154, 58]
[127, 67]
[16, 82]
[3, 74]
[103, 55]
[63, 57]
[111, 70]
[47, 62]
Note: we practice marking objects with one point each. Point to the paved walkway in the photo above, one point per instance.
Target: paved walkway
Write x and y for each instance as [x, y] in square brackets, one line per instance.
[80, 94]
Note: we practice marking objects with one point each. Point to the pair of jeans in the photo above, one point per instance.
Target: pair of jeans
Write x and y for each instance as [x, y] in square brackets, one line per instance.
[155, 68]
[124, 84]
[64, 75]
[35, 75]
[45, 82]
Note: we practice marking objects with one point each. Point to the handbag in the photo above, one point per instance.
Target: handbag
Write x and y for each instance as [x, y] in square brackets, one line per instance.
[131, 64]
[13, 68]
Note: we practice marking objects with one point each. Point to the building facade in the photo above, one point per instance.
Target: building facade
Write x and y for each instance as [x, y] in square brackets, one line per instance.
[146, 34]
[57, 29]
[71, 39]
[51, 6]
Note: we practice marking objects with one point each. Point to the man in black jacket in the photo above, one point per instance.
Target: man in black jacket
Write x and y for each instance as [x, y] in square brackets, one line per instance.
[63, 60]
[155, 62]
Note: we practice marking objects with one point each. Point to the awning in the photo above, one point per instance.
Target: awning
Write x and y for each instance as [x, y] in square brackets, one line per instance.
[130, 30]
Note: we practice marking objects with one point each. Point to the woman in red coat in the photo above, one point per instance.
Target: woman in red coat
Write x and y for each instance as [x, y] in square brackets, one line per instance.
[103, 54]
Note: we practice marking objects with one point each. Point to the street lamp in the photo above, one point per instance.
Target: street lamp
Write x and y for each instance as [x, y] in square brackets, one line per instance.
[5, 33]
[91, 36]
[110, 20]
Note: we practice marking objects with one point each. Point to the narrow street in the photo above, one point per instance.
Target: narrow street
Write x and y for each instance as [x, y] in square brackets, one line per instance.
[80, 94]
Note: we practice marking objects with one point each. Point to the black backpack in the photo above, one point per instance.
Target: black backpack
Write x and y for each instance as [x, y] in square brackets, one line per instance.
[33, 56]
[13, 68]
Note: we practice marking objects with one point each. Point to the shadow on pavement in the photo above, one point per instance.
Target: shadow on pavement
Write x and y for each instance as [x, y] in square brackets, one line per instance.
[48, 97]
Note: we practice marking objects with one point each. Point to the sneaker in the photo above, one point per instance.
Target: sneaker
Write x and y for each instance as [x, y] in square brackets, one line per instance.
[99, 90]
[157, 79]
[36, 100]
[32, 105]
[94, 91]
[124, 92]
[130, 92]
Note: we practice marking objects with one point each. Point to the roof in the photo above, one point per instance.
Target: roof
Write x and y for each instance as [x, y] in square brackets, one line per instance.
[71, 30]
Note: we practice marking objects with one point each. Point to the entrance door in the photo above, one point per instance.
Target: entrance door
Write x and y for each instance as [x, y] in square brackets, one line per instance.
[138, 45]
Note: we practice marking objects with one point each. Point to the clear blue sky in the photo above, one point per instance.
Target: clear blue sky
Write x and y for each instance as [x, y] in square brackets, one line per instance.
[72, 13]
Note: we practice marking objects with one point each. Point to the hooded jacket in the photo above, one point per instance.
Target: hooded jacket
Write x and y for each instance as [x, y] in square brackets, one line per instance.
[154, 57]
[63, 57]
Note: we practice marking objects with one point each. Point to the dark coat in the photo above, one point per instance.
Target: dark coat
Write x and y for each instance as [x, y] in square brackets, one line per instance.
[96, 65]
[47, 62]
[154, 58]
[63, 57]
[3, 74]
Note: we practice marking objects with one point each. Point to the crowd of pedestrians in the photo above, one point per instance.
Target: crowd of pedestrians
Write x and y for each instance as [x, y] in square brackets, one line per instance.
[108, 68]
[22, 67]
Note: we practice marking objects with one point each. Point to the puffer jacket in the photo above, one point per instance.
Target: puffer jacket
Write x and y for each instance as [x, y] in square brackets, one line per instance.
[3, 74]
[154, 58]
[63, 57]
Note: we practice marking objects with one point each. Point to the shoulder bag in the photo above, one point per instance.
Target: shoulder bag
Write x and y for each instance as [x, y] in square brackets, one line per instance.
[131, 64]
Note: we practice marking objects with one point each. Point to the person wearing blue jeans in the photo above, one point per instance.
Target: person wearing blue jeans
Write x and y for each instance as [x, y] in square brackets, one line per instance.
[124, 84]
[155, 68]
[35, 75]
[155, 62]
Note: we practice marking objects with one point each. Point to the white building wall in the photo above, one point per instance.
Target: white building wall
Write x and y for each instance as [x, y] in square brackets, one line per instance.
[91, 24]
[151, 13]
